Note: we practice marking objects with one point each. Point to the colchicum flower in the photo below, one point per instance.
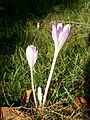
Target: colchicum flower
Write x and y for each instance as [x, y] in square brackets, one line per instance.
[31, 55]
[60, 34]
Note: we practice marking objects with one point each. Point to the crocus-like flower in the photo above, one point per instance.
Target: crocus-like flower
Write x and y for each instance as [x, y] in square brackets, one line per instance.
[60, 34]
[31, 55]
[40, 95]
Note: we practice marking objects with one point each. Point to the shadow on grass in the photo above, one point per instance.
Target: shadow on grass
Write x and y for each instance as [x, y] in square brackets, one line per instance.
[39, 8]
[87, 85]
[18, 11]
[87, 80]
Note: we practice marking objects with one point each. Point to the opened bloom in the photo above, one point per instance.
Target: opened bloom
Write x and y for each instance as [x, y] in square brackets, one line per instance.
[60, 34]
[31, 55]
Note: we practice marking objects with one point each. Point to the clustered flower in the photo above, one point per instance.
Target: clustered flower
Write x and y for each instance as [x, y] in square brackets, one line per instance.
[59, 36]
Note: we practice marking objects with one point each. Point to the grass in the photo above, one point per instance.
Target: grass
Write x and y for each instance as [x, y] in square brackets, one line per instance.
[71, 77]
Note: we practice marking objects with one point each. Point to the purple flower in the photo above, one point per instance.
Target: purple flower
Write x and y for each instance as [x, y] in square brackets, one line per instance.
[60, 34]
[31, 55]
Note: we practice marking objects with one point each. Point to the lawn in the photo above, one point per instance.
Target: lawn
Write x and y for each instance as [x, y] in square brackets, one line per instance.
[70, 84]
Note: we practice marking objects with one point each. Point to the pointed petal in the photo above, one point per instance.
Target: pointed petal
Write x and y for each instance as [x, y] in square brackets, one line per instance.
[59, 28]
[64, 35]
[66, 31]
[54, 31]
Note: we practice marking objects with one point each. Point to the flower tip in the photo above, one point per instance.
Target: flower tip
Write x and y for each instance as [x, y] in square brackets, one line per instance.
[40, 95]
[68, 26]
[31, 55]
[54, 22]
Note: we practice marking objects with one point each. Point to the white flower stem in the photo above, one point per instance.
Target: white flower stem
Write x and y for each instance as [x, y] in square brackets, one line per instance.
[33, 87]
[40, 103]
[50, 76]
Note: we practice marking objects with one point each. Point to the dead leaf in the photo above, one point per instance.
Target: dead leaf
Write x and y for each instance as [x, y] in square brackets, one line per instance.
[80, 101]
[26, 96]
[11, 113]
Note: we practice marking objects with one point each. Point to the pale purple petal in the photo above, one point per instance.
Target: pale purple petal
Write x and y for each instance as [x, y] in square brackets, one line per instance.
[59, 29]
[54, 31]
[66, 31]
[31, 55]
[60, 34]
[64, 35]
